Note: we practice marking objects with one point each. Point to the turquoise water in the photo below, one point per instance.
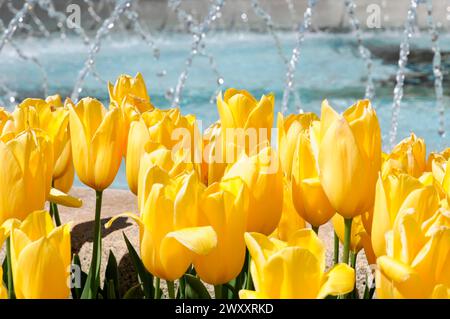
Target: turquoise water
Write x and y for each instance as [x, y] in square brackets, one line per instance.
[330, 67]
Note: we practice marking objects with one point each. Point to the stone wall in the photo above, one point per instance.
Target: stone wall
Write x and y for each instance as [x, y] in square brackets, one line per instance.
[239, 14]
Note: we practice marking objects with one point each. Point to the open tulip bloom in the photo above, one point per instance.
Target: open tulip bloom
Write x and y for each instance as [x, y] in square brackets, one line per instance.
[237, 214]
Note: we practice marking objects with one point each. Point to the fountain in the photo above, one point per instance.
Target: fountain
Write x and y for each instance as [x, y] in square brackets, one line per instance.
[108, 16]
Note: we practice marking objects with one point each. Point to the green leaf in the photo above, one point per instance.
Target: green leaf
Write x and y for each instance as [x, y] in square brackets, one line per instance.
[77, 291]
[195, 289]
[5, 272]
[145, 277]
[112, 275]
[134, 292]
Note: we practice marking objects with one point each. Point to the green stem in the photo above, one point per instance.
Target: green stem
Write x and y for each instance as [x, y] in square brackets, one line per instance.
[347, 239]
[93, 280]
[218, 291]
[171, 289]
[55, 213]
[11, 294]
[157, 288]
[336, 248]
[316, 229]
[353, 256]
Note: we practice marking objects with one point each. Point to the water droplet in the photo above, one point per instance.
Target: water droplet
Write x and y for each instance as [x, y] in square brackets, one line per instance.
[12, 99]
[244, 17]
[220, 81]
[111, 25]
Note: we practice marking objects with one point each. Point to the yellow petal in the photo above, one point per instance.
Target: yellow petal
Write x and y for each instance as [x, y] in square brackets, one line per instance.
[339, 280]
[58, 197]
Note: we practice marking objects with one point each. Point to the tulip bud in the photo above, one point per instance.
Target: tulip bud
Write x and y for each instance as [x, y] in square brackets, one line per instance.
[308, 195]
[350, 157]
[40, 258]
[26, 173]
[97, 138]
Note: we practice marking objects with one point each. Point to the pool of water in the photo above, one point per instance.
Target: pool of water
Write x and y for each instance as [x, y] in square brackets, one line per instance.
[330, 67]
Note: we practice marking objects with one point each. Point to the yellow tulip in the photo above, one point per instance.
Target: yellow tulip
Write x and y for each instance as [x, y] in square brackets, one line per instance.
[224, 206]
[26, 173]
[128, 86]
[264, 179]
[309, 198]
[3, 290]
[350, 157]
[170, 237]
[97, 142]
[359, 238]
[290, 221]
[294, 269]
[417, 262]
[288, 131]
[40, 258]
[395, 194]
[64, 182]
[157, 127]
[213, 166]
[408, 156]
[239, 109]
[4, 116]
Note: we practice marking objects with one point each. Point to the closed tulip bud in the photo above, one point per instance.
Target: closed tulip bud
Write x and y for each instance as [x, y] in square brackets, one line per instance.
[359, 238]
[350, 157]
[294, 269]
[213, 166]
[417, 260]
[309, 198]
[40, 258]
[290, 221]
[264, 179]
[25, 173]
[408, 156]
[239, 113]
[97, 140]
[394, 194]
[128, 86]
[288, 130]
[224, 207]
[170, 237]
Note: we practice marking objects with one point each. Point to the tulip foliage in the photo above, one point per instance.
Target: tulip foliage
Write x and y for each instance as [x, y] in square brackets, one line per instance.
[236, 209]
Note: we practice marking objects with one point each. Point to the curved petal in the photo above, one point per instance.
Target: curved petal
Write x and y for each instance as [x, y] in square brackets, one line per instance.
[58, 197]
[339, 280]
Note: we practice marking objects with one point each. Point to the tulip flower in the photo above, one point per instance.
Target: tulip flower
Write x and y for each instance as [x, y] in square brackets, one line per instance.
[158, 127]
[359, 238]
[350, 157]
[290, 221]
[40, 258]
[25, 174]
[224, 207]
[3, 290]
[417, 261]
[264, 179]
[294, 269]
[128, 86]
[170, 237]
[245, 124]
[408, 156]
[288, 131]
[309, 198]
[393, 195]
[97, 139]
[213, 163]
[349, 160]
